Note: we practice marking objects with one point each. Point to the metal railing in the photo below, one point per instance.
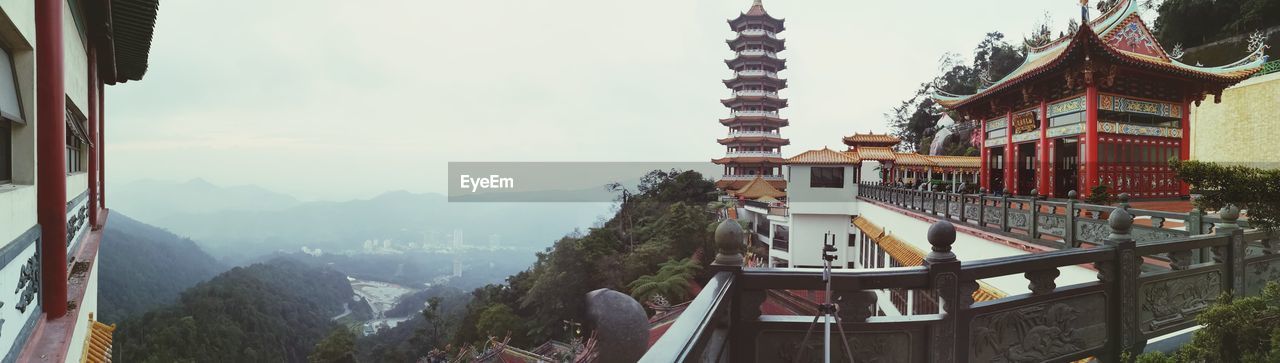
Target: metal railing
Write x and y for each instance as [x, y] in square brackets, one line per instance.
[756, 93]
[757, 52]
[759, 32]
[763, 154]
[754, 113]
[749, 177]
[754, 133]
[757, 72]
[1129, 302]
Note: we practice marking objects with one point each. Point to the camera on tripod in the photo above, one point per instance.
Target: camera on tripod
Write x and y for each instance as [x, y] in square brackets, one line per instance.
[829, 247]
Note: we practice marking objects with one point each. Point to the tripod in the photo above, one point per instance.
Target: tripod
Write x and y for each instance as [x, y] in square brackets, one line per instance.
[827, 310]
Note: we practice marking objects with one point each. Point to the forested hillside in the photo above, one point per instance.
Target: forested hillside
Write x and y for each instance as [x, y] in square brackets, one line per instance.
[143, 267]
[270, 312]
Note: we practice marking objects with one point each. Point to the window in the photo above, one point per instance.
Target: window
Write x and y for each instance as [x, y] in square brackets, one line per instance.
[826, 177]
[10, 115]
[77, 140]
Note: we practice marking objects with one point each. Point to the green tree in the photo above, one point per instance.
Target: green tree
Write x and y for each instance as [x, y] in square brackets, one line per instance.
[338, 347]
[1233, 330]
[1253, 189]
[498, 320]
[672, 281]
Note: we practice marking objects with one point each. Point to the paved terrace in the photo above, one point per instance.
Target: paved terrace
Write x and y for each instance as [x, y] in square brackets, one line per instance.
[1155, 271]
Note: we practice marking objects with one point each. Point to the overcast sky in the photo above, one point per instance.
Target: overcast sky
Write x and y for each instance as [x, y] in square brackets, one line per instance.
[340, 99]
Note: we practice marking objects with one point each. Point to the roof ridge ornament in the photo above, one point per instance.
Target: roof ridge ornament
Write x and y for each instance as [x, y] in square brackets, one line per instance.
[1084, 11]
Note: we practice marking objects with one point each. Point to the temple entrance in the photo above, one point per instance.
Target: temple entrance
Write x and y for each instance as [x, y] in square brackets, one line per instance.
[1026, 168]
[995, 169]
[1065, 173]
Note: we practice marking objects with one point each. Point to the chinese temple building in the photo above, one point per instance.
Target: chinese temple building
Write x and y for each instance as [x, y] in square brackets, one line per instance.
[1104, 106]
[753, 146]
[880, 163]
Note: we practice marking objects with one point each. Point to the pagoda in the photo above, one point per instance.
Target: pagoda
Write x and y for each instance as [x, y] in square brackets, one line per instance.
[753, 146]
[1105, 105]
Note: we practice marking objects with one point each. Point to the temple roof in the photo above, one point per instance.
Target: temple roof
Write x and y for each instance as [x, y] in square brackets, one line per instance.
[824, 156]
[871, 139]
[879, 153]
[756, 12]
[956, 162]
[1122, 37]
[907, 255]
[912, 159]
[757, 188]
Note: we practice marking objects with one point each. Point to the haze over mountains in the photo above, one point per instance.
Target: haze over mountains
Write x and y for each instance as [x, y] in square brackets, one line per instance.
[239, 223]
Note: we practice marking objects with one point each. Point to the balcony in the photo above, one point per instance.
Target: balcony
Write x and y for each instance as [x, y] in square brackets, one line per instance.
[754, 113]
[753, 154]
[756, 93]
[757, 73]
[754, 134]
[1143, 290]
[759, 32]
[757, 53]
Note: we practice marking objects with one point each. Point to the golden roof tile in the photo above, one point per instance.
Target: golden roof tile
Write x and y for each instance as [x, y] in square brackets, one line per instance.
[758, 188]
[824, 156]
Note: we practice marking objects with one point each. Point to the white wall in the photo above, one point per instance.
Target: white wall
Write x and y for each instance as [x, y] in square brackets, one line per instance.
[807, 231]
[75, 62]
[869, 171]
[89, 305]
[967, 247]
[17, 212]
[803, 199]
[14, 320]
[76, 184]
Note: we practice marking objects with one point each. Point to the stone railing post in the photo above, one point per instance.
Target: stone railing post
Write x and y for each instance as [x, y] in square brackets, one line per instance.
[1194, 225]
[949, 341]
[1035, 215]
[1121, 280]
[730, 244]
[962, 208]
[982, 210]
[1069, 233]
[1231, 254]
[946, 205]
[1004, 212]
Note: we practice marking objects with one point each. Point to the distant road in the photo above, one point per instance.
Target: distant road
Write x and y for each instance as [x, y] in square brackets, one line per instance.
[346, 311]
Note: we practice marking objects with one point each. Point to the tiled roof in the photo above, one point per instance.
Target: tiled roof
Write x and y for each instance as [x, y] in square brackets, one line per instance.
[876, 153]
[956, 162]
[97, 344]
[912, 159]
[871, 138]
[1097, 36]
[731, 185]
[824, 156]
[757, 188]
[908, 255]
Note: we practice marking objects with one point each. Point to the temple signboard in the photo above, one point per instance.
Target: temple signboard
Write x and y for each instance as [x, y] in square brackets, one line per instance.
[1025, 122]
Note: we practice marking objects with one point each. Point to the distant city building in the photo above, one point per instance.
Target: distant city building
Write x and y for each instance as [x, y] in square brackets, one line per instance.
[457, 266]
[457, 238]
[753, 146]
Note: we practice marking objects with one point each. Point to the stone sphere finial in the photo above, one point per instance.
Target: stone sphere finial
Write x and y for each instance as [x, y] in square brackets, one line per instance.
[1072, 194]
[620, 324]
[1123, 198]
[1035, 192]
[1229, 213]
[1120, 222]
[729, 243]
[941, 235]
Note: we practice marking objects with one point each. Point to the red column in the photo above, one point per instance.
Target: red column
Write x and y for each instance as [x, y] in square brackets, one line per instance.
[102, 146]
[51, 143]
[1091, 139]
[1009, 162]
[983, 154]
[1046, 173]
[1185, 152]
[93, 138]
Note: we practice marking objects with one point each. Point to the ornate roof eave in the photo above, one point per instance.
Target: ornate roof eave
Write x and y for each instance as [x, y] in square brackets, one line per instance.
[781, 44]
[750, 160]
[824, 156]
[781, 63]
[781, 122]
[1223, 76]
[780, 83]
[743, 100]
[771, 140]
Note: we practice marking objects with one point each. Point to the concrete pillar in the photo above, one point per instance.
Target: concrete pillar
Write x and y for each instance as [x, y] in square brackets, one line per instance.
[1091, 140]
[1045, 172]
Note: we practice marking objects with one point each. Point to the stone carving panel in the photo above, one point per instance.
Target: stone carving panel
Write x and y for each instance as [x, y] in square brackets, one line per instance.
[886, 347]
[1093, 232]
[1167, 302]
[1054, 225]
[1018, 220]
[1258, 273]
[971, 211]
[1142, 234]
[954, 208]
[992, 216]
[28, 282]
[1040, 332]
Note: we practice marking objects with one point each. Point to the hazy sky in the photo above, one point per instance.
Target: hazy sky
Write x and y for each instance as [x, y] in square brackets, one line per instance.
[340, 99]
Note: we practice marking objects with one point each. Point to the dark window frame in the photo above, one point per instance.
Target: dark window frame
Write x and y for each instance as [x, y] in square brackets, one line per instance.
[826, 177]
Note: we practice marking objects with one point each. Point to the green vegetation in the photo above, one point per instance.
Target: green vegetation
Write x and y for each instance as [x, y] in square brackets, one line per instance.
[667, 216]
[271, 312]
[1234, 330]
[1195, 22]
[338, 347]
[144, 267]
[671, 281]
[1253, 189]
[1100, 195]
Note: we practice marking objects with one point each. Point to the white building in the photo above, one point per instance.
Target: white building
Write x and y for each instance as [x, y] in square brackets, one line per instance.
[57, 57]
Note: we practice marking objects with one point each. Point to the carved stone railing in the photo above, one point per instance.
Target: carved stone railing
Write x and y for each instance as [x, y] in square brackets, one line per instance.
[1038, 220]
[1128, 303]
